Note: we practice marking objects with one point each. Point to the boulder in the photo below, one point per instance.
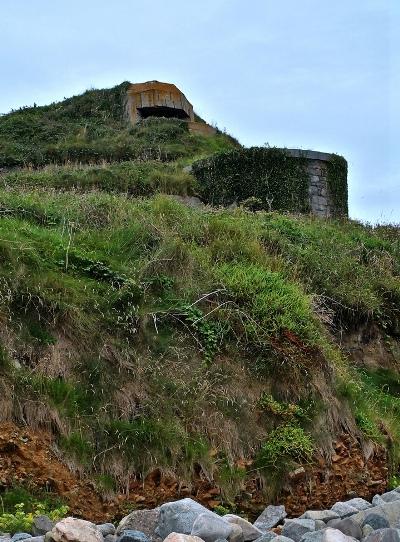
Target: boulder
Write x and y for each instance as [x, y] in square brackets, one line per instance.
[383, 535]
[267, 537]
[179, 537]
[321, 515]
[334, 535]
[270, 518]
[37, 539]
[75, 530]
[359, 504]
[141, 520]
[179, 517]
[42, 525]
[347, 526]
[210, 527]
[249, 531]
[281, 538]
[389, 511]
[343, 509]
[20, 536]
[390, 496]
[296, 528]
[378, 501]
[106, 528]
[375, 521]
[110, 538]
[129, 535]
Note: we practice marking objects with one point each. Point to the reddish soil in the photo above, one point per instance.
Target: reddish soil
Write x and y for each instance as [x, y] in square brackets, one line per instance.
[28, 458]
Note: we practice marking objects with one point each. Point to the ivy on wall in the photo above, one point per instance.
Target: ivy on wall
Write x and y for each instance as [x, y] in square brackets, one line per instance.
[337, 185]
[279, 181]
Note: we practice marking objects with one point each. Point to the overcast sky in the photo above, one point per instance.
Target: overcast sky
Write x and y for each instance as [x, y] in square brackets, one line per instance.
[316, 74]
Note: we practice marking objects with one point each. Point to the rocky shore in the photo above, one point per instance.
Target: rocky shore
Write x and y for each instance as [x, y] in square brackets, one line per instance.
[188, 521]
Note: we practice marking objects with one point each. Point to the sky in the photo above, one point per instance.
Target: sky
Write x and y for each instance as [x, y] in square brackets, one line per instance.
[316, 74]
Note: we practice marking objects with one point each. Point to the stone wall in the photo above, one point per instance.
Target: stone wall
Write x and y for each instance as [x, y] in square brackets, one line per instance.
[321, 201]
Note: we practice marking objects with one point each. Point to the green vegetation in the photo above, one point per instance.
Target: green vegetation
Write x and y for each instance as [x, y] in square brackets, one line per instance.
[145, 332]
[238, 175]
[21, 519]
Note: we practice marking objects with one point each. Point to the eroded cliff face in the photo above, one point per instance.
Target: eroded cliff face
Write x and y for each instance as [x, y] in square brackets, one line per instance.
[28, 458]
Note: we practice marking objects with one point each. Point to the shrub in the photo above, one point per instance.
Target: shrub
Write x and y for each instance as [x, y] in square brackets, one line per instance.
[22, 521]
[285, 445]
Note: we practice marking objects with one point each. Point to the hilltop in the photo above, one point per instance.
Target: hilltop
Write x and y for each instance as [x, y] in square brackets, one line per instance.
[162, 349]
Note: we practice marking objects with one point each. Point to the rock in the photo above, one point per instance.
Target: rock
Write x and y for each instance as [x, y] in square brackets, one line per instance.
[367, 529]
[270, 518]
[249, 531]
[179, 537]
[375, 521]
[75, 530]
[389, 511]
[281, 538]
[327, 535]
[383, 535]
[377, 500]
[141, 520]
[348, 527]
[37, 539]
[106, 528]
[20, 536]
[42, 525]
[322, 515]
[359, 504]
[110, 538]
[211, 527]
[390, 496]
[319, 524]
[343, 509]
[296, 528]
[179, 517]
[129, 535]
[267, 537]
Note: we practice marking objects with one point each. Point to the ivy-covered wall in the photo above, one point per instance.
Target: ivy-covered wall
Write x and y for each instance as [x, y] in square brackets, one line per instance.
[275, 179]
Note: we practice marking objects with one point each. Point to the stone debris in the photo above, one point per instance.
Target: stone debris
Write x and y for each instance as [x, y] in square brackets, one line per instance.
[270, 518]
[355, 520]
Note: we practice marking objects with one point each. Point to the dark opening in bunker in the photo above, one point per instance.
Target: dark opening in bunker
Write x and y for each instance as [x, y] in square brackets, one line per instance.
[160, 111]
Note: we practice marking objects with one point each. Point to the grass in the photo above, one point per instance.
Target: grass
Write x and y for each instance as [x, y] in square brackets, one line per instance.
[146, 333]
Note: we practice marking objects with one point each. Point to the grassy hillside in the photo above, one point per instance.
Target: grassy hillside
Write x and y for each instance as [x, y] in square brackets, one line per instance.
[145, 333]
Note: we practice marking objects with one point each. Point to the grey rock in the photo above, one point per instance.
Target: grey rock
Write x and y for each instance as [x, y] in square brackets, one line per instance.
[249, 531]
[20, 536]
[221, 540]
[106, 528]
[322, 515]
[179, 517]
[390, 496]
[281, 538]
[141, 520]
[42, 525]
[296, 528]
[270, 518]
[378, 501]
[367, 529]
[383, 535]
[375, 521]
[389, 511]
[327, 535]
[132, 536]
[359, 504]
[37, 539]
[319, 524]
[267, 537]
[110, 538]
[348, 527]
[343, 509]
[210, 527]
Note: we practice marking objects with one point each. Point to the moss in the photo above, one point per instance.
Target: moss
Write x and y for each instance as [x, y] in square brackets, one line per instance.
[337, 184]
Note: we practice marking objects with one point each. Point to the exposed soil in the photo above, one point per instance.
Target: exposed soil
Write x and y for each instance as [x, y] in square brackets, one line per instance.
[28, 458]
